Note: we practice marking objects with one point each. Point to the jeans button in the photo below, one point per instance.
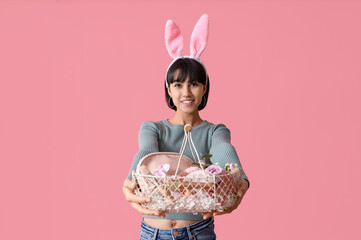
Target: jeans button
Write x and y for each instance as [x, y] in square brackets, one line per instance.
[175, 234]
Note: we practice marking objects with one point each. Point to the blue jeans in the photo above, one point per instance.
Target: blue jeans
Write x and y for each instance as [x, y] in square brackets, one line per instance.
[202, 230]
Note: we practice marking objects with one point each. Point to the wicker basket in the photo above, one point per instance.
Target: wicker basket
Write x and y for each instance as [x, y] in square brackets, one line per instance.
[175, 192]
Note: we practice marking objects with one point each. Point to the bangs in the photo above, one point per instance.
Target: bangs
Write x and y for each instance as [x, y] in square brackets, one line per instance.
[186, 67]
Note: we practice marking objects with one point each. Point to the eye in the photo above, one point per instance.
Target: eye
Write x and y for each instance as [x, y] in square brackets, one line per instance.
[194, 84]
[177, 85]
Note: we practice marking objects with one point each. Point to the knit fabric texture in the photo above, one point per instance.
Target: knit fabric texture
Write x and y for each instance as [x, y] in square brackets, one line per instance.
[162, 136]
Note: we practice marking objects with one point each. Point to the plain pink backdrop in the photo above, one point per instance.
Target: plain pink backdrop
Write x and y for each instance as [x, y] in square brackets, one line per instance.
[78, 78]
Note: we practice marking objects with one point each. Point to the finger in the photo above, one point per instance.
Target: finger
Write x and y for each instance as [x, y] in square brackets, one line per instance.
[129, 184]
[238, 201]
[224, 212]
[146, 211]
[207, 215]
[235, 206]
[243, 189]
[132, 197]
[240, 193]
[128, 190]
[244, 185]
[162, 214]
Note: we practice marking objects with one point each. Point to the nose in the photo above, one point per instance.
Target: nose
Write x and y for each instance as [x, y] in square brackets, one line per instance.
[186, 91]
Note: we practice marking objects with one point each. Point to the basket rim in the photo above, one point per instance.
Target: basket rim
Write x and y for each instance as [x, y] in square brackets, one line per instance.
[158, 153]
[184, 177]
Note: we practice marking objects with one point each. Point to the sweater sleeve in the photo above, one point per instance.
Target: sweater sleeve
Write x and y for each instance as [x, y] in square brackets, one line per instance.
[222, 149]
[148, 143]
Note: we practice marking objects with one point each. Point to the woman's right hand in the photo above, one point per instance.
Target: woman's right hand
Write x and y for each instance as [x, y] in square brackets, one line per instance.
[135, 201]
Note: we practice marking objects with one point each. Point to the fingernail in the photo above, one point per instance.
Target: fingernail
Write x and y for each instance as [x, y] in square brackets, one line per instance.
[147, 200]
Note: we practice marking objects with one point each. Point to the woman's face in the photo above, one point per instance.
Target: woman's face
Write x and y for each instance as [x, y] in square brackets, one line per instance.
[186, 96]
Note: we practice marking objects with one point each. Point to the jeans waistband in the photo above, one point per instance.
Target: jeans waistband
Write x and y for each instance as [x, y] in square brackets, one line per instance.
[188, 230]
[198, 225]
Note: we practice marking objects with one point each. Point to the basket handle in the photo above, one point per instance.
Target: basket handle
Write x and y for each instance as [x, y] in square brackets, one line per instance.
[188, 138]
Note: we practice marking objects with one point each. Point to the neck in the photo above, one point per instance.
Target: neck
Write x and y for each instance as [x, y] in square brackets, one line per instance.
[184, 118]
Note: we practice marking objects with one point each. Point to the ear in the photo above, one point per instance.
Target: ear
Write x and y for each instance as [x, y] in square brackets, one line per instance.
[199, 36]
[169, 93]
[173, 39]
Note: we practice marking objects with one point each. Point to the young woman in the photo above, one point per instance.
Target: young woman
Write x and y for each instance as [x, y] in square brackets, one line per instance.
[186, 91]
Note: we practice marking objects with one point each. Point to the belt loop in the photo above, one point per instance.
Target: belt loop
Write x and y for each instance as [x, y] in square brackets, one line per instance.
[190, 235]
[155, 234]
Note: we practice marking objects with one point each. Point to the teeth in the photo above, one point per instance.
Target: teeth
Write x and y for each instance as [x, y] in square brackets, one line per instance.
[186, 101]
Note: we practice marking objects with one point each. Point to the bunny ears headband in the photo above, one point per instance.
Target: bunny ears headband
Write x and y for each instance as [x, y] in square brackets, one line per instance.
[174, 40]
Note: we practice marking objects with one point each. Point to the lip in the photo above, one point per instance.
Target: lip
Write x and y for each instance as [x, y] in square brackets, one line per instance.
[187, 102]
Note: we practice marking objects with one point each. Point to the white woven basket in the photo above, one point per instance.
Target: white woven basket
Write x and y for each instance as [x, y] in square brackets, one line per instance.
[176, 193]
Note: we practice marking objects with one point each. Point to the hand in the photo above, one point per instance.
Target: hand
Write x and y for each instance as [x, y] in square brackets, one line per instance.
[240, 194]
[135, 201]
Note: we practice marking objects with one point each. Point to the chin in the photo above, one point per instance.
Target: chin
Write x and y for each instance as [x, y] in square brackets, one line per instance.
[189, 111]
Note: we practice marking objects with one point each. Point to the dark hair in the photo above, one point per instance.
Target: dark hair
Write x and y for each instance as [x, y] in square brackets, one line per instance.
[195, 71]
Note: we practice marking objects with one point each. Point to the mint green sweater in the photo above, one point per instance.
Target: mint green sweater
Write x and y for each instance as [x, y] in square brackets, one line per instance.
[163, 136]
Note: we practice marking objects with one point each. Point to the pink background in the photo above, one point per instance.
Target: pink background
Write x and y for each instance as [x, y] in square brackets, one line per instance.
[78, 78]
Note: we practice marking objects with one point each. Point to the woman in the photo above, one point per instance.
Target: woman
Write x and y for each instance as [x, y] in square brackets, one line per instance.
[186, 90]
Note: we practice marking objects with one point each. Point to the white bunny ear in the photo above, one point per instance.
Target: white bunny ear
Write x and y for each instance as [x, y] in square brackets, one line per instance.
[173, 39]
[199, 36]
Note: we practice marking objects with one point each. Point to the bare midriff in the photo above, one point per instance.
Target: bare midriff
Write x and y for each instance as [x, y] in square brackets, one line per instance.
[168, 223]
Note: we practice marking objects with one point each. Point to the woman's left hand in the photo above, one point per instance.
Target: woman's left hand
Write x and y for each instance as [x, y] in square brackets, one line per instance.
[240, 194]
